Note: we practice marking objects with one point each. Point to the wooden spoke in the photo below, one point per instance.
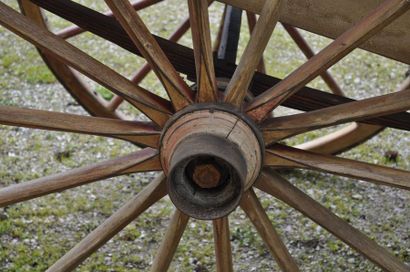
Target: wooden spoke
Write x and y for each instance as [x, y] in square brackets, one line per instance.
[222, 243]
[201, 37]
[178, 91]
[74, 30]
[141, 133]
[308, 52]
[141, 161]
[115, 102]
[153, 106]
[360, 32]
[196, 194]
[274, 161]
[113, 225]
[175, 36]
[307, 99]
[241, 79]
[343, 167]
[254, 210]
[276, 186]
[251, 17]
[170, 242]
[282, 127]
[146, 68]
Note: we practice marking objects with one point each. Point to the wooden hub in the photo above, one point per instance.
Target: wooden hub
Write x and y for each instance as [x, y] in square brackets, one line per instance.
[211, 155]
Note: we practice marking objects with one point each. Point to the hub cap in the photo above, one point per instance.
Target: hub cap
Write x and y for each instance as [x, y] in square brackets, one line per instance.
[211, 154]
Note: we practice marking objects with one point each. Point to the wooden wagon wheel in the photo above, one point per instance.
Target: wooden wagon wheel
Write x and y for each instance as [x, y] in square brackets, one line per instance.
[334, 143]
[213, 148]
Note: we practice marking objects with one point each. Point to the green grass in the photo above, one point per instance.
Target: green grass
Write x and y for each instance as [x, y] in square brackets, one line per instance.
[105, 93]
[36, 233]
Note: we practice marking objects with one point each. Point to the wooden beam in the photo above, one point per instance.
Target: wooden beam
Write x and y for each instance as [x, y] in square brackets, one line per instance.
[74, 30]
[275, 129]
[307, 99]
[368, 26]
[332, 18]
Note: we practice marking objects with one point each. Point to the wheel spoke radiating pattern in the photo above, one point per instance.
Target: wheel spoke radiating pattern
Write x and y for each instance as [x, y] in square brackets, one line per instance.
[146, 68]
[307, 99]
[211, 143]
[297, 37]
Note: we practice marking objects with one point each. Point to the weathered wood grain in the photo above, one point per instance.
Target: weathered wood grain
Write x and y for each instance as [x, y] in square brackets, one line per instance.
[204, 63]
[332, 18]
[303, 45]
[342, 167]
[254, 210]
[140, 133]
[169, 244]
[178, 91]
[113, 225]
[241, 79]
[152, 105]
[275, 185]
[142, 161]
[222, 244]
[279, 128]
[306, 99]
[383, 15]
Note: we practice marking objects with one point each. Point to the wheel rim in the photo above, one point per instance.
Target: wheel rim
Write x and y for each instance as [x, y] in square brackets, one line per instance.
[181, 97]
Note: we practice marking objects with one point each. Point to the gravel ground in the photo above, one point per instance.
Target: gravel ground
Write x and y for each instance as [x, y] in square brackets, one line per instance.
[36, 233]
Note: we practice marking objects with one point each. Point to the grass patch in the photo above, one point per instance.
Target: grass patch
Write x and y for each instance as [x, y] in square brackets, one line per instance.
[105, 93]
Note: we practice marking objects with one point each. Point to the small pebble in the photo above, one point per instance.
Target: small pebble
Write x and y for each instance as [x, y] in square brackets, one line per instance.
[357, 196]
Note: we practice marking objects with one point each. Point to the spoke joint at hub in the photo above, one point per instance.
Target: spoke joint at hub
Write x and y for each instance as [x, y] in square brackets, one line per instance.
[211, 154]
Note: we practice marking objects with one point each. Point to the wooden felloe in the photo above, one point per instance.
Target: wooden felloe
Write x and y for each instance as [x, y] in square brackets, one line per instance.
[215, 141]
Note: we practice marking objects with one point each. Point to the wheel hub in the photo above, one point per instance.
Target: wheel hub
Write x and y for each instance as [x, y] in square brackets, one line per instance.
[211, 154]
